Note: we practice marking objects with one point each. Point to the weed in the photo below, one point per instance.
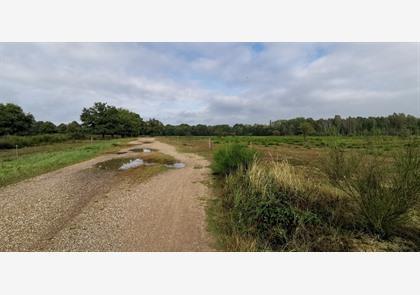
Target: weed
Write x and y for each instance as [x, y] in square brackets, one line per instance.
[273, 206]
[385, 192]
[230, 157]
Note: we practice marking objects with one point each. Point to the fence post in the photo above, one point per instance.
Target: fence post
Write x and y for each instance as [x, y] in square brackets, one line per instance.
[210, 146]
[17, 153]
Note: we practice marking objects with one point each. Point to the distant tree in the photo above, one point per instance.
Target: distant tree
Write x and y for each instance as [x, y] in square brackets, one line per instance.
[154, 127]
[222, 130]
[41, 127]
[199, 129]
[306, 128]
[74, 128]
[62, 128]
[14, 121]
[129, 123]
[100, 119]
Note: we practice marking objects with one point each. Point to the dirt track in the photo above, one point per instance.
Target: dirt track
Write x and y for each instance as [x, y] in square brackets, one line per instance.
[77, 209]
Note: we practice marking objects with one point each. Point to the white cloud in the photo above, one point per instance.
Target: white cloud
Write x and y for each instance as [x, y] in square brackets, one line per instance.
[212, 82]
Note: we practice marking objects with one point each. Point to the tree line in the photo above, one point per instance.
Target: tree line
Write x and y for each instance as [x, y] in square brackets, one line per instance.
[105, 120]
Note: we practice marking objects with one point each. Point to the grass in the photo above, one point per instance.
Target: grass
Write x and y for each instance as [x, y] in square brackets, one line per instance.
[191, 144]
[271, 206]
[230, 157]
[386, 191]
[286, 202]
[33, 161]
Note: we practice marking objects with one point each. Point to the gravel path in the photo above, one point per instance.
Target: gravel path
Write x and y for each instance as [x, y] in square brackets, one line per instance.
[82, 209]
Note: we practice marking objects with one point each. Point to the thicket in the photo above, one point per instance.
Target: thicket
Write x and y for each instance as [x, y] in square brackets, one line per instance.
[386, 191]
[10, 142]
[271, 205]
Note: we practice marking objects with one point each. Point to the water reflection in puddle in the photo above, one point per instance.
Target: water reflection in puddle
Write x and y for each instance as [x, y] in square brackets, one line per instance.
[176, 165]
[141, 150]
[132, 164]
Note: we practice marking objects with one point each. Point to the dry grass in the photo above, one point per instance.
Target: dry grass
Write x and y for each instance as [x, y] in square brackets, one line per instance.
[187, 144]
[298, 171]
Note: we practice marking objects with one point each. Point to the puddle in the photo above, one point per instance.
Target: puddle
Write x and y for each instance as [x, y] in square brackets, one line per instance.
[114, 164]
[132, 164]
[142, 150]
[178, 165]
[124, 164]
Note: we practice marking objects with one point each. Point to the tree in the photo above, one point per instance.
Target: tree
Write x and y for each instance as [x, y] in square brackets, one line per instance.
[73, 128]
[41, 127]
[154, 127]
[306, 128]
[100, 119]
[108, 120]
[129, 123]
[62, 128]
[14, 121]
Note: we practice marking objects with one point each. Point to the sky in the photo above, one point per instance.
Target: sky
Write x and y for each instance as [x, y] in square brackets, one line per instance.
[212, 83]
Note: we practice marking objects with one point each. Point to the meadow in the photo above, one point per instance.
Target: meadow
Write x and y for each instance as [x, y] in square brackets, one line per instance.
[281, 193]
[319, 194]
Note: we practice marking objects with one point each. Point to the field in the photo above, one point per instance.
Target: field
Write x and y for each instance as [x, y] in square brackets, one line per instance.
[268, 193]
[295, 149]
[338, 223]
[31, 161]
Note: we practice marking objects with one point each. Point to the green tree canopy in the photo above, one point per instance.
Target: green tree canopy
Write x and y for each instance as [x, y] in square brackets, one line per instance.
[108, 120]
[13, 120]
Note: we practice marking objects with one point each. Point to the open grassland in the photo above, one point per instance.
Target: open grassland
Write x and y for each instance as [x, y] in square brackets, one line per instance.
[289, 200]
[32, 161]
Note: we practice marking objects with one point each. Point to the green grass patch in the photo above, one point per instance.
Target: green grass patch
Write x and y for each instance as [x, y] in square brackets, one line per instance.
[38, 160]
[230, 157]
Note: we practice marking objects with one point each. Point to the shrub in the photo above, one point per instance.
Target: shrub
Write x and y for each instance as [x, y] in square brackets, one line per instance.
[9, 142]
[231, 156]
[273, 205]
[385, 193]
[338, 165]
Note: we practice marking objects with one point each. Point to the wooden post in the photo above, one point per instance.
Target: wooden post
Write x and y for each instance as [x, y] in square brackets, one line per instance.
[210, 143]
[91, 139]
[17, 153]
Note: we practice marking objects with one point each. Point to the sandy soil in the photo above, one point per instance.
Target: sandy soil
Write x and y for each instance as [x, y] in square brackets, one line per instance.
[78, 208]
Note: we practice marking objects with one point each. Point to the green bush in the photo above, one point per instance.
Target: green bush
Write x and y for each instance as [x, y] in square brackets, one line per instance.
[339, 165]
[231, 156]
[10, 142]
[385, 192]
[276, 208]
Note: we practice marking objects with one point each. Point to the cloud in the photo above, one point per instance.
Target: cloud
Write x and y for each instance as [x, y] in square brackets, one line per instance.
[212, 83]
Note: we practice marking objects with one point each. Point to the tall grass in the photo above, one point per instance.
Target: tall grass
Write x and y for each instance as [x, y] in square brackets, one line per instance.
[230, 157]
[271, 206]
[386, 192]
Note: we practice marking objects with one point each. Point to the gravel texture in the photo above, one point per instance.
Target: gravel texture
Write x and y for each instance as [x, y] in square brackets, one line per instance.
[79, 208]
